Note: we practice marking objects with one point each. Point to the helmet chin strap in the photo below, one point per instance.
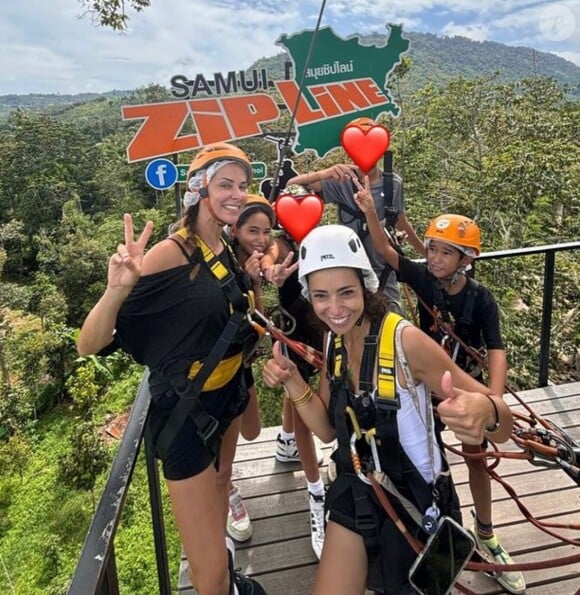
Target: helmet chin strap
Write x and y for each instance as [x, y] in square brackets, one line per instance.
[212, 212]
[447, 282]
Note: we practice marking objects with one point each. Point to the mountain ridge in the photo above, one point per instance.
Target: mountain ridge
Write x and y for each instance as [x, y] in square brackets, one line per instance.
[434, 59]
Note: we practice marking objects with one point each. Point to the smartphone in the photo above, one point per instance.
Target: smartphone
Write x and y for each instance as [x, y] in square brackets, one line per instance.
[446, 553]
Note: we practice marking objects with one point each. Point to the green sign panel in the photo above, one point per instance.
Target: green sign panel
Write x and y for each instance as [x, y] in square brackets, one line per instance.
[258, 171]
[344, 79]
[182, 172]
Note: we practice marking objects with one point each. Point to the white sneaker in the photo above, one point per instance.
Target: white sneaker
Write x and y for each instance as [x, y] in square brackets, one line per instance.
[287, 451]
[316, 523]
[239, 526]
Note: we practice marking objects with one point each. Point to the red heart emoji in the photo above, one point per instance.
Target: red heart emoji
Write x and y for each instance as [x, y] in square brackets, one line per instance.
[299, 214]
[365, 147]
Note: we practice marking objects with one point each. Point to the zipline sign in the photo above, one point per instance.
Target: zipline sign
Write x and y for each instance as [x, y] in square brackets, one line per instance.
[342, 80]
[258, 171]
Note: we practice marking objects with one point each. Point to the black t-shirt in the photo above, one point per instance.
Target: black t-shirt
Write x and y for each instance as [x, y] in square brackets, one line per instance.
[177, 314]
[484, 330]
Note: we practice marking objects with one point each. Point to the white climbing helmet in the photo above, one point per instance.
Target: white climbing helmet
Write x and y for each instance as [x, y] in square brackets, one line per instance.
[332, 246]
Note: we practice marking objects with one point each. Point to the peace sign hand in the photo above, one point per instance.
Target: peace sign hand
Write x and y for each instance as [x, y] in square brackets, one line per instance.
[125, 264]
[278, 273]
[363, 198]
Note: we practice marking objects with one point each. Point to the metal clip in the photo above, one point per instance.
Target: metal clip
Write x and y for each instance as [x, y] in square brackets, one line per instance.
[356, 462]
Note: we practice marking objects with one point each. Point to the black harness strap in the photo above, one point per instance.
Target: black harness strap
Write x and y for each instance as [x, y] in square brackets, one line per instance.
[189, 403]
[472, 289]
[369, 362]
[386, 409]
[391, 214]
[181, 248]
[443, 306]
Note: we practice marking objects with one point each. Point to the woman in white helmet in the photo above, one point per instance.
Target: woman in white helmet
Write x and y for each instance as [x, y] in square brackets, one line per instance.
[364, 548]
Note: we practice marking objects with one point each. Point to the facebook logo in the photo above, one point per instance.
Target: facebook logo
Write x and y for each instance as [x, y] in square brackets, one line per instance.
[161, 174]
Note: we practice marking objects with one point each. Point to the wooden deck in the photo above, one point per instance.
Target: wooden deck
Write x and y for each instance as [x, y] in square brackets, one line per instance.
[279, 553]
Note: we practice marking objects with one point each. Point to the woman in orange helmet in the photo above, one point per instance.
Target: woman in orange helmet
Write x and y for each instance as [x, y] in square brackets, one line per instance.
[170, 308]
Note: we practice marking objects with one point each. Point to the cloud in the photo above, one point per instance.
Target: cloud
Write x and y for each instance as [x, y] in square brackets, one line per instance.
[573, 57]
[46, 46]
[474, 32]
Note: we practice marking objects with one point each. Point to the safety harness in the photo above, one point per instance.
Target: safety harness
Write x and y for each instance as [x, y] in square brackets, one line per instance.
[367, 431]
[189, 380]
[445, 328]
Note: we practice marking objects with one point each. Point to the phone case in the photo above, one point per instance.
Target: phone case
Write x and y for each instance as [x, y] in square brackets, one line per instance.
[442, 560]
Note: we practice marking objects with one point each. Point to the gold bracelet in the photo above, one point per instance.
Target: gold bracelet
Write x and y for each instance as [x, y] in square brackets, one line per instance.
[303, 399]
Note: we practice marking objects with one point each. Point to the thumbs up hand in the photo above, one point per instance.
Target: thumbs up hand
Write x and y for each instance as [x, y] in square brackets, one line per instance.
[465, 413]
[279, 369]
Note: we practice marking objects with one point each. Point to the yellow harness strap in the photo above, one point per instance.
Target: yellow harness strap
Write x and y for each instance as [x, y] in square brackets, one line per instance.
[218, 269]
[386, 391]
[337, 355]
[221, 374]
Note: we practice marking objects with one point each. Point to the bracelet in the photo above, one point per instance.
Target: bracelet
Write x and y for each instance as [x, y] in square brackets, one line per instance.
[307, 180]
[495, 427]
[303, 399]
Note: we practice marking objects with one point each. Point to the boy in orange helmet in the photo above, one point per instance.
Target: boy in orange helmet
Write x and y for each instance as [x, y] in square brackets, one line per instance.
[446, 292]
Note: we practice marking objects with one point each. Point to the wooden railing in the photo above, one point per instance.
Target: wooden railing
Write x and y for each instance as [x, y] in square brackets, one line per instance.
[96, 572]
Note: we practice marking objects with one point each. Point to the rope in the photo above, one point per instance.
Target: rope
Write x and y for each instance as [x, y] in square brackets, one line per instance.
[284, 147]
[417, 546]
[312, 356]
[533, 420]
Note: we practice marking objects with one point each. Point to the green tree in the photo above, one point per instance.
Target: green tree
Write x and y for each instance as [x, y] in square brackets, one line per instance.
[111, 13]
[14, 454]
[46, 301]
[85, 459]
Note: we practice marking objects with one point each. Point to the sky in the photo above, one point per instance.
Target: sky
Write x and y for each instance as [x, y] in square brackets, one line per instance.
[48, 46]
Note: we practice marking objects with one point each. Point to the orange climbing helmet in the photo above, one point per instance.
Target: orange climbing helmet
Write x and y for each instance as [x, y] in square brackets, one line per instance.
[219, 152]
[256, 202]
[459, 231]
[258, 199]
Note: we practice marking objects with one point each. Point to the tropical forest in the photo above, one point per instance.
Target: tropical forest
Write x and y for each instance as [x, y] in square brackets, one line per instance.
[504, 151]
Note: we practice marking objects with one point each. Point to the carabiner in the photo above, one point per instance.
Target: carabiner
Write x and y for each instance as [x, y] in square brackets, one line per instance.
[371, 441]
[356, 462]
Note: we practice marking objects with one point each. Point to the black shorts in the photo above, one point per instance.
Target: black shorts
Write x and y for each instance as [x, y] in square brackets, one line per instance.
[389, 554]
[188, 455]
